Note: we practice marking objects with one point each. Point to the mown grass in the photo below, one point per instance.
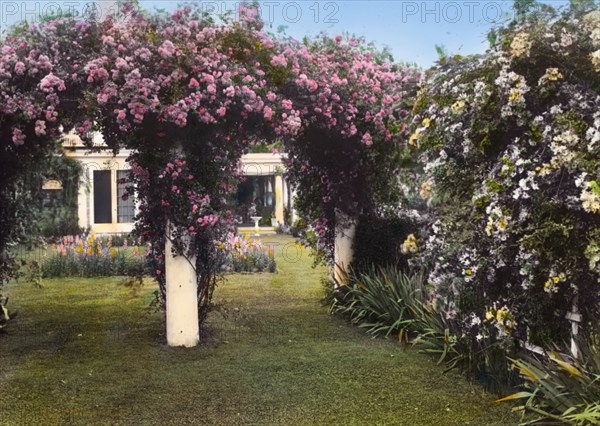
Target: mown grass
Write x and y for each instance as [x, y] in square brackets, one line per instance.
[87, 351]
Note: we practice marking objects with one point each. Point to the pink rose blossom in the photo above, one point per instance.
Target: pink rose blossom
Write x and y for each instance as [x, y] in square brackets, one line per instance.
[18, 137]
[40, 127]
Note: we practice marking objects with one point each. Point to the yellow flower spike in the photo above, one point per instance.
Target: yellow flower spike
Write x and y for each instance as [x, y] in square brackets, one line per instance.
[426, 122]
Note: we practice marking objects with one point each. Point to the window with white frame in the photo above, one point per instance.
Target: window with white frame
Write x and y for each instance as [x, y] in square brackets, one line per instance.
[109, 190]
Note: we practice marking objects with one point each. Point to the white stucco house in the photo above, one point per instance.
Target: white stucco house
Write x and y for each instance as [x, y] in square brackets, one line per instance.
[102, 209]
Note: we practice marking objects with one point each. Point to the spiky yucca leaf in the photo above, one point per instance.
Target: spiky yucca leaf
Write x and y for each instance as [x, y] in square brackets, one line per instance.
[563, 389]
[383, 301]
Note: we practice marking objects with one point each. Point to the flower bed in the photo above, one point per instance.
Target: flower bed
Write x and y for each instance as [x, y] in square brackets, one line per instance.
[91, 256]
[244, 254]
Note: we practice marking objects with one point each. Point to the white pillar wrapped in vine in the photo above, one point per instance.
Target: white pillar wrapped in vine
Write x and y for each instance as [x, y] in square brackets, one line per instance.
[345, 231]
[181, 299]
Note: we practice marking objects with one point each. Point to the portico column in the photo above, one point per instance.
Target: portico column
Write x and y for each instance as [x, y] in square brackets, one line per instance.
[279, 198]
[182, 299]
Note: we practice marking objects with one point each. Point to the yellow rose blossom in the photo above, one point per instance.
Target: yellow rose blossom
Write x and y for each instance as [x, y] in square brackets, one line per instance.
[520, 45]
[425, 189]
[489, 228]
[550, 286]
[544, 170]
[501, 225]
[410, 245]
[554, 74]
[514, 96]
[595, 58]
[501, 314]
[458, 106]
[413, 138]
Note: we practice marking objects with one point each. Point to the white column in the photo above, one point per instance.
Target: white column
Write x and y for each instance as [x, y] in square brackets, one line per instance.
[278, 198]
[294, 213]
[84, 193]
[182, 300]
[113, 194]
[343, 252]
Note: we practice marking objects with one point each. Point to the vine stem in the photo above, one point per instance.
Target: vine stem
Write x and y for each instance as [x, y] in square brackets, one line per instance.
[184, 256]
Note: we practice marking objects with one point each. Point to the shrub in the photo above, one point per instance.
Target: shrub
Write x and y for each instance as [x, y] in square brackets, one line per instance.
[299, 228]
[266, 214]
[378, 241]
[509, 144]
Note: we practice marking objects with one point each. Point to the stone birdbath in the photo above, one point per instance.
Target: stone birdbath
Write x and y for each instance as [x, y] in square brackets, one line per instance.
[256, 219]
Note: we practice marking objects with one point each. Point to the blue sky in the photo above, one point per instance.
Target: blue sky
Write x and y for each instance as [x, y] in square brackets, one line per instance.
[410, 28]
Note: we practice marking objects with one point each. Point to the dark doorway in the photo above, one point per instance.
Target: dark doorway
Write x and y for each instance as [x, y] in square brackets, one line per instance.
[257, 191]
[102, 197]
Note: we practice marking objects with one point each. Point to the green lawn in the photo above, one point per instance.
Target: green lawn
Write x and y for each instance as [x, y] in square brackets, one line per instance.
[87, 351]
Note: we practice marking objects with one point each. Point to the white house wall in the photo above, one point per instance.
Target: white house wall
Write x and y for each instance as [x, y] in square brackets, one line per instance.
[260, 164]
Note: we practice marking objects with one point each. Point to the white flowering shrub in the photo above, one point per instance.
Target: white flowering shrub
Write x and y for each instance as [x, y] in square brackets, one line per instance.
[510, 144]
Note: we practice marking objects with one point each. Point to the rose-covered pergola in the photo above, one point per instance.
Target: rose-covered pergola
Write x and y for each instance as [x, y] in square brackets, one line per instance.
[189, 96]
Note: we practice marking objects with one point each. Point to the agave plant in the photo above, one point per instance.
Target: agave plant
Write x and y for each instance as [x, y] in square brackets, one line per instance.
[562, 389]
[383, 301]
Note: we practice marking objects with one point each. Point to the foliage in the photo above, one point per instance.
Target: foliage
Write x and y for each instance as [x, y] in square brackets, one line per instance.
[299, 228]
[340, 130]
[378, 241]
[508, 142]
[33, 71]
[57, 215]
[560, 388]
[267, 213]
